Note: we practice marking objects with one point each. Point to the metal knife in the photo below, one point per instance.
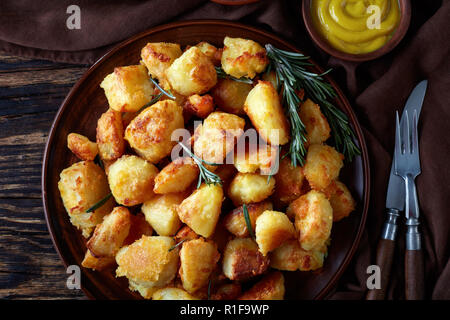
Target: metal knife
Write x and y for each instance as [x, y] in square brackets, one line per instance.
[395, 203]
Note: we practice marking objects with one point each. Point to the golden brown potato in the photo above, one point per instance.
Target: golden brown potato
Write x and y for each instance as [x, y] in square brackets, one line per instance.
[291, 257]
[192, 73]
[235, 221]
[148, 264]
[216, 137]
[109, 235]
[81, 146]
[95, 263]
[177, 176]
[226, 173]
[322, 166]
[264, 109]
[200, 106]
[262, 158]
[243, 58]
[250, 188]
[172, 294]
[138, 228]
[227, 291]
[128, 88]
[271, 287]
[149, 134]
[131, 180]
[313, 219]
[198, 259]
[210, 51]
[316, 124]
[185, 233]
[110, 141]
[242, 260]
[201, 210]
[230, 95]
[81, 186]
[290, 180]
[341, 200]
[272, 229]
[158, 57]
[161, 213]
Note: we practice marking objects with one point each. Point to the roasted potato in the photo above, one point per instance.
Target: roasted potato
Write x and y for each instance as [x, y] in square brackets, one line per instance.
[230, 95]
[242, 260]
[322, 166]
[128, 88]
[150, 133]
[226, 173]
[341, 200]
[198, 260]
[177, 176]
[271, 287]
[291, 257]
[201, 210]
[243, 58]
[82, 185]
[158, 57]
[161, 213]
[272, 229]
[290, 181]
[235, 220]
[172, 294]
[250, 188]
[131, 180]
[200, 106]
[192, 73]
[81, 146]
[316, 124]
[227, 291]
[264, 109]
[139, 227]
[95, 263]
[185, 233]
[313, 219]
[262, 158]
[111, 144]
[211, 52]
[216, 137]
[148, 264]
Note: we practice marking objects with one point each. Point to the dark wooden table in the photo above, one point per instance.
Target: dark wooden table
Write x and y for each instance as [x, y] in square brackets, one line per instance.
[31, 92]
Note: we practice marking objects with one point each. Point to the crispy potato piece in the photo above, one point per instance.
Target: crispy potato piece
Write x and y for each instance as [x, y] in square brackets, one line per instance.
[185, 233]
[198, 259]
[242, 260]
[201, 210]
[138, 228]
[172, 294]
[81, 186]
[128, 88]
[158, 57]
[177, 176]
[264, 109]
[322, 166]
[271, 287]
[235, 221]
[192, 73]
[149, 134]
[111, 145]
[210, 51]
[148, 264]
[226, 173]
[131, 180]
[243, 58]
[272, 229]
[250, 188]
[109, 235]
[291, 257]
[341, 200]
[95, 263]
[313, 219]
[230, 95]
[200, 106]
[290, 181]
[263, 158]
[216, 137]
[316, 124]
[227, 291]
[81, 146]
[161, 213]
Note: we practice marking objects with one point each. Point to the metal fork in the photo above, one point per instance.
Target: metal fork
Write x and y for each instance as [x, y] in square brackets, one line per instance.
[407, 166]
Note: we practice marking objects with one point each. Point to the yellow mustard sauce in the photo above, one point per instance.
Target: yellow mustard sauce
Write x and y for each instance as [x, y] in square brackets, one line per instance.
[350, 27]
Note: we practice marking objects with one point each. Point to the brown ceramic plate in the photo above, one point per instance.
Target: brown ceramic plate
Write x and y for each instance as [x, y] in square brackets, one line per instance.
[86, 102]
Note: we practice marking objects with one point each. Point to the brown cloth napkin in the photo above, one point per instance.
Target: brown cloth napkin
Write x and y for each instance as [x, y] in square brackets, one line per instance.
[377, 88]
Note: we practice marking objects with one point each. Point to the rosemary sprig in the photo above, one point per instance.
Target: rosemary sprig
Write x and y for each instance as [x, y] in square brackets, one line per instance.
[247, 221]
[99, 161]
[167, 93]
[292, 75]
[177, 245]
[205, 174]
[100, 203]
[209, 289]
[222, 74]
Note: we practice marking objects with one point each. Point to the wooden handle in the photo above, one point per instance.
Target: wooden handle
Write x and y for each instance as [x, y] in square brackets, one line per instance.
[385, 254]
[414, 272]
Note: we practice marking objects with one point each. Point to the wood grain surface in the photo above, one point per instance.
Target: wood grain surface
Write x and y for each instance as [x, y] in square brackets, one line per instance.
[31, 92]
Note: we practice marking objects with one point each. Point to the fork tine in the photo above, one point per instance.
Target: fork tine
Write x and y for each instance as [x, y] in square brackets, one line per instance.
[398, 141]
[415, 140]
[406, 140]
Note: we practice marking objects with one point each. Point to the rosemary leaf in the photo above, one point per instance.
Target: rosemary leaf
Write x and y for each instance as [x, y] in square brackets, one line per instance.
[209, 289]
[177, 245]
[247, 221]
[99, 161]
[222, 74]
[100, 203]
[170, 95]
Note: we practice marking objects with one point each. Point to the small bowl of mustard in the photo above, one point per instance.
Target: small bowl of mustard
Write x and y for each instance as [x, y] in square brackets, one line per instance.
[357, 30]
